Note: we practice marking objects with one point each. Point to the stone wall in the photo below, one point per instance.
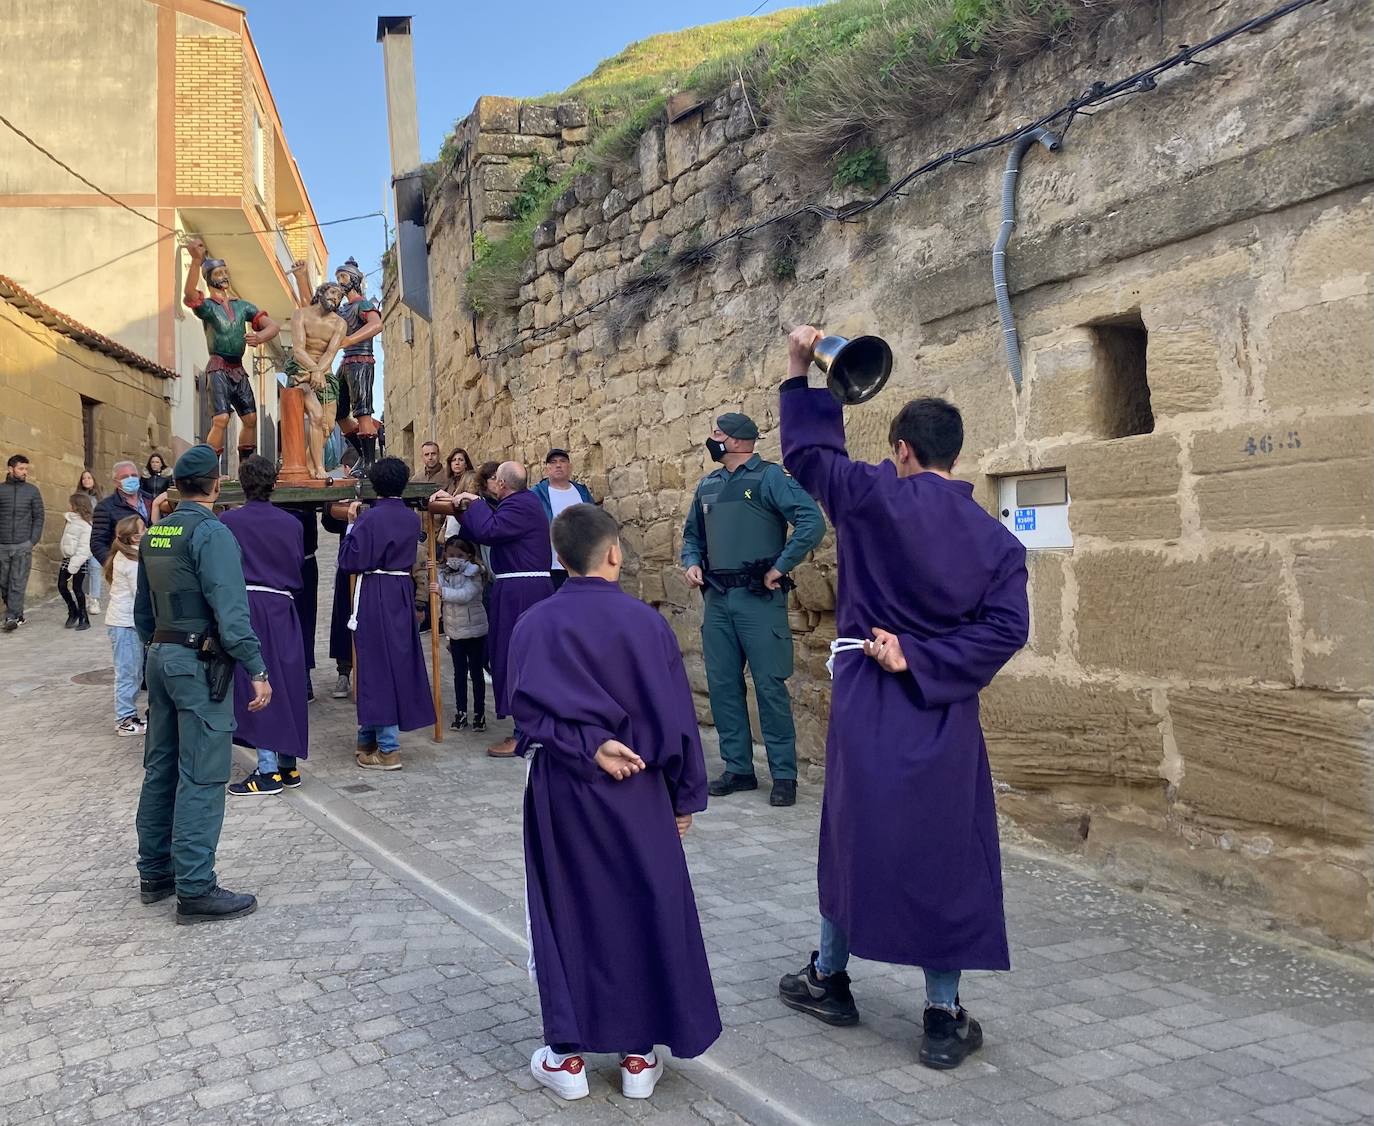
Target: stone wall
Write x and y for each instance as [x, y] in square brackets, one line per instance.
[1193, 710]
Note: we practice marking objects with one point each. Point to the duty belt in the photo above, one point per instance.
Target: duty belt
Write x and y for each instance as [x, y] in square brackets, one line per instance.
[728, 580]
[190, 639]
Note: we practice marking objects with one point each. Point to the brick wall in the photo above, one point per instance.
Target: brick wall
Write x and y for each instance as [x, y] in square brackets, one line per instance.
[210, 131]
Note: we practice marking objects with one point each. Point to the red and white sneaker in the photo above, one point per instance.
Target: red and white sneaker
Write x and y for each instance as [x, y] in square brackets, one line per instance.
[639, 1075]
[567, 1080]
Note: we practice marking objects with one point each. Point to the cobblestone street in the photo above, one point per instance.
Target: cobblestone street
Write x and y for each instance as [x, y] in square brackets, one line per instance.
[383, 978]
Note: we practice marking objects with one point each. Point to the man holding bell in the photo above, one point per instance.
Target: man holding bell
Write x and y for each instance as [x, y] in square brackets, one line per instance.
[735, 547]
[930, 604]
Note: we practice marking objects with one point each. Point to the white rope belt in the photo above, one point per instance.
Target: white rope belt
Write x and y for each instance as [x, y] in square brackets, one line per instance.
[524, 575]
[271, 590]
[842, 645]
[358, 593]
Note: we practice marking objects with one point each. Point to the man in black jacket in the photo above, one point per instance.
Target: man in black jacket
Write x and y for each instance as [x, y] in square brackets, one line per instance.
[21, 527]
[126, 500]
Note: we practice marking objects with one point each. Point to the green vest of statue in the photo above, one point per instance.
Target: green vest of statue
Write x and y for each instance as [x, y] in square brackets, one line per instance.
[168, 562]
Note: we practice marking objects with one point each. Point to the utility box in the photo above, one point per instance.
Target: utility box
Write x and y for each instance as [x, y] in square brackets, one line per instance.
[1035, 509]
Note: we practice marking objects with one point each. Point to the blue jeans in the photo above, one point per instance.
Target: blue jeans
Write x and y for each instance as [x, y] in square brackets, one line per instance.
[269, 762]
[942, 986]
[128, 669]
[387, 736]
[95, 577]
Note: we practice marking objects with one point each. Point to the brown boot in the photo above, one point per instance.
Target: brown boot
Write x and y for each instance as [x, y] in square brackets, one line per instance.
[378, 760]
[503, 749]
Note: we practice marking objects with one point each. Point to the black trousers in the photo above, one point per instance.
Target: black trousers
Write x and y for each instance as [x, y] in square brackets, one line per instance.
[469, 658]
[340, 636]
[75, 598]
[307, 607]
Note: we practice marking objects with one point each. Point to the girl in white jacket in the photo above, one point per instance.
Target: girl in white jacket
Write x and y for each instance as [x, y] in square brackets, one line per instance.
[76, 550]
[121, 575]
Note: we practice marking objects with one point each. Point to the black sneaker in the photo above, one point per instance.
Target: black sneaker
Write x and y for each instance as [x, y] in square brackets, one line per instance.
[460, 721]
[257, 786]
[72, 619]
[784, 792]
[729, 783]
[153, 891]
[827, 999]
[342, 688]
[948, 1039]
[479, 723]
[291, 778]
[215, 905]
[11, 624]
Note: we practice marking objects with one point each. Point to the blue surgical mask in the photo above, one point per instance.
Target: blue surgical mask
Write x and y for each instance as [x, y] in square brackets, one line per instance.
[128, 484]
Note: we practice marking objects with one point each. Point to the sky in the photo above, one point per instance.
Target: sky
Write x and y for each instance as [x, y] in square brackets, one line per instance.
[324, 65]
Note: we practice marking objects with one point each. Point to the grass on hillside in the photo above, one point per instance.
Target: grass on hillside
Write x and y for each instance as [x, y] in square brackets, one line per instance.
[825, 80]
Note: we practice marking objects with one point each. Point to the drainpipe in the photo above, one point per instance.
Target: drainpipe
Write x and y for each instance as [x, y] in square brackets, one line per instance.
[1052, 142]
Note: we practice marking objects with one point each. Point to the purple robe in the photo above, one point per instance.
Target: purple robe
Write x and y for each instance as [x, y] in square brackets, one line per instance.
[618, 952]
[391, 677]
[517, 531]
[272, 544]
[910, 866]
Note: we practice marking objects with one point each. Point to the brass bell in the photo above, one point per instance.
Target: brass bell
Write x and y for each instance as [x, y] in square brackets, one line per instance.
[856, 369]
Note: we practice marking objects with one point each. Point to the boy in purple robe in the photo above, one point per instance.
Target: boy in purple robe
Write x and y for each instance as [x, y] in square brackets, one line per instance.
[931, 602]
[616, 771]
[272, 544]
[516, 529]
[392, 683]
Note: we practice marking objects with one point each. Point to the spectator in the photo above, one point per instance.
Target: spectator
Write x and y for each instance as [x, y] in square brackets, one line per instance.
[558, 491]
[432, 471]
[94, 574]
[126, 500]
[21, 527]
[460, 585]
[459, 464]
[121, 572]
[156, 480]
[76, 551]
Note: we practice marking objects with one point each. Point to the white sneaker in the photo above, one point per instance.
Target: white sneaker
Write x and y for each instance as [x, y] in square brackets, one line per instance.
[568, 1080]
[131, 726]
[92, 606]
[639, 1075]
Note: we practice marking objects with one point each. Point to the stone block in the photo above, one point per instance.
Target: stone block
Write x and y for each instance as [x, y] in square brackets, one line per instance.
[681, 146]
[515, 144]
[1125, 488]
[574, 137]
[1336, 588]
[591, 187]
[1320, 354]
[1182, 365]
[1044, 733]
[571, 115]
[1046, 599]
[1063, 369]
[1297, 476]
[651, 161]
[1335, 245]
[1220, 615]
[614, 203]
[544, 235]
[498, 115]
[1295, 759]
[540, 120]
[815, 587]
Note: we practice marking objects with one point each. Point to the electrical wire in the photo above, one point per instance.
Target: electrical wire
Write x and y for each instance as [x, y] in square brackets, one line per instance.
[1143, 81]
[115, 374]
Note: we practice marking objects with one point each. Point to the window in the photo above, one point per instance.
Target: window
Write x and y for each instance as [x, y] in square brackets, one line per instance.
[259, 155]
[88, 431]
[1123, 383]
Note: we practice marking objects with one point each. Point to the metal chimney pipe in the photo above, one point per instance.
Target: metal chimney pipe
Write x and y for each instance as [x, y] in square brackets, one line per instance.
[403, 127]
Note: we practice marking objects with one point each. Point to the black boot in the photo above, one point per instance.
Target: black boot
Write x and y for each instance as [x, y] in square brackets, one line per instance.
[72, 618]
[826, 998]
[369, 445]
[83, 620]
[948, 1039]
[729, 783]
[153, 891]
[215, 905]
[784, 792]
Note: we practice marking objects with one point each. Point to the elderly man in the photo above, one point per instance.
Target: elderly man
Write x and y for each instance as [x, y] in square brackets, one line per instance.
[125, 500]
[556, 492]
[517, 531]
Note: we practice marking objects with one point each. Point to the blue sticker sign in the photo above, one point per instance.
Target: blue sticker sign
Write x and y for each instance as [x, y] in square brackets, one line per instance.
[1025, 519]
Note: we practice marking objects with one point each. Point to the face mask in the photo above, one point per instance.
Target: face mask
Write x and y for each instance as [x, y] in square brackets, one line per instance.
[454, 564]
[128, 485]
[715, 449]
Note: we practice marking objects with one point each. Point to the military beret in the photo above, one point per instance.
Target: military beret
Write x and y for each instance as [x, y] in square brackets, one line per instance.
[738, 425]
[198, 461]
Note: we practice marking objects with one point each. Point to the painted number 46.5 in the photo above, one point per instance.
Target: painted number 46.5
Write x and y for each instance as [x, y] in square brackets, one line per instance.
[1267, 443]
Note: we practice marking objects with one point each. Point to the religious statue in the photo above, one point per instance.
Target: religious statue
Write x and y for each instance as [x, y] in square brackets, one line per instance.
[358, 366]
[232, 325]
[317, 331]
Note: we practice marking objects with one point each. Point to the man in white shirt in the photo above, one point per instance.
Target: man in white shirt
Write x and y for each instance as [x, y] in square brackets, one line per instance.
[558, 491]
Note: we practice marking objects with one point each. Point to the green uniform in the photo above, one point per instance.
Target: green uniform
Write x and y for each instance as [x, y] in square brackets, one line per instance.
[736, 519]
[190, 580]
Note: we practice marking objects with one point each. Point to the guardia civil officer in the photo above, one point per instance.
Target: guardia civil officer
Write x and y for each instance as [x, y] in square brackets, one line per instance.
[735, 546]
[192, 612]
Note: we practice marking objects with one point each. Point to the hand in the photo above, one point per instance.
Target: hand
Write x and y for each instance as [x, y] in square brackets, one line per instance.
[694, 576]
[465, 498]
[618, 760]
[317, 381]
[441, 495]
[160, 506]
[433, 588]
[684, 822]
[253, 339]
[772, 579]
[354, 508]
[262, 696]
[800, 343]
[886, 649]
[298, 264]
[196, 246]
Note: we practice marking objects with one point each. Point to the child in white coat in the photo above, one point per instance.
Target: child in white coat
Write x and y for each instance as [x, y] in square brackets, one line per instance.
[76, 550]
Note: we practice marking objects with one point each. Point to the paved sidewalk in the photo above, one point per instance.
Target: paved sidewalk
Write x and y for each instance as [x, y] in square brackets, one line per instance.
[383, 979]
